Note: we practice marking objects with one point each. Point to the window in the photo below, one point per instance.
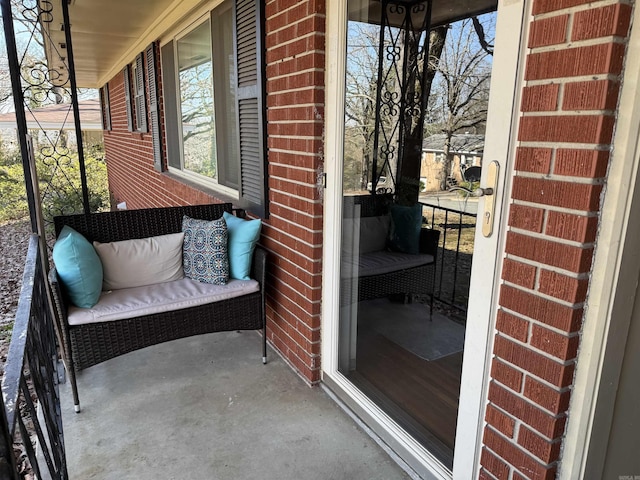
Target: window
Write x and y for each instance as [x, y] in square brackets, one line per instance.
[214, 107]
[105, 107]
[196, 102]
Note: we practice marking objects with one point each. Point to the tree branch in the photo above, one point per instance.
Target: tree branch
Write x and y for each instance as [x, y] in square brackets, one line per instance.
[486, 46]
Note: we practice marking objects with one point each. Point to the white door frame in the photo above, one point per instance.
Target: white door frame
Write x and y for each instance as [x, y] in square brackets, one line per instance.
[500, 145]
[502, 127]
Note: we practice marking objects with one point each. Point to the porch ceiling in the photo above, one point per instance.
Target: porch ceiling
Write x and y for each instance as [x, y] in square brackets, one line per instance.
[443, 11]
[106, 35]
[102, 33]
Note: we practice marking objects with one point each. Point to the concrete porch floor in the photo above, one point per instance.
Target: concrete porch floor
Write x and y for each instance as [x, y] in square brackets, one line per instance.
[206, 408]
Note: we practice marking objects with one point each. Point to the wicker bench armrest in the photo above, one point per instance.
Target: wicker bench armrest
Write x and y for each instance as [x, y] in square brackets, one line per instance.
[429, 239]
[259, 273]
[259, 266]
[61, 311]
[56, 291]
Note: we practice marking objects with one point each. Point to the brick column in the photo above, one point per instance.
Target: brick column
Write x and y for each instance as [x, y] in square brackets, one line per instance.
[293, 234]
[568, 113]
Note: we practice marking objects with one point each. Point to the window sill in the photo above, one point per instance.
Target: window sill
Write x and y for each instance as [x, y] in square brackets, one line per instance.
[220, 192]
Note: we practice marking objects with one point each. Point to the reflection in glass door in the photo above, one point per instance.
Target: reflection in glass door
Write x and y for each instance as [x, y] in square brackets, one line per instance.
[413, 143]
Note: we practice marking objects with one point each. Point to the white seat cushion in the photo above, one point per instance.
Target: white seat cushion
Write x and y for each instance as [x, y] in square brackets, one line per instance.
[381, 262]
[161, 297]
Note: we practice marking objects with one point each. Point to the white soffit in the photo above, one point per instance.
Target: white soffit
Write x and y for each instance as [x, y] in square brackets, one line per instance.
[443, 11]
[103, 32]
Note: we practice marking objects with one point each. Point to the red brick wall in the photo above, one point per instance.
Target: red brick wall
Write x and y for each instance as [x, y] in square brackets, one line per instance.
[572, 84]
[293, 233]
[295, 102]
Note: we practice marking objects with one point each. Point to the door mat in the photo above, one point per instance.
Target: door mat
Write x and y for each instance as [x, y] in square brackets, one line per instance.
[409, 326]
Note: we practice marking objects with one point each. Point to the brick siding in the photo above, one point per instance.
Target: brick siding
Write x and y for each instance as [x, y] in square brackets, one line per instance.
[572, 82]
[295, 110]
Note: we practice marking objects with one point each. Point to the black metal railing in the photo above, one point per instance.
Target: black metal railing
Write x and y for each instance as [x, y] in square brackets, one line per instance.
[455, 254]
[30, 381]
[42, 75]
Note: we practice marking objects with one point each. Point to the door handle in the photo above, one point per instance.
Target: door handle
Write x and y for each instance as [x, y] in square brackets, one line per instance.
[490, 200]
[482, 192]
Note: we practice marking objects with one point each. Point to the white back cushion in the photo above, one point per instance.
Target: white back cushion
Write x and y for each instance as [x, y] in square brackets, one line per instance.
[374, 232]
[144, 261]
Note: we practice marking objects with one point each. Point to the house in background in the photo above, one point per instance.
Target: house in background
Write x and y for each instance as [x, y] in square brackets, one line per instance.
[466, 150]
[552, 345]
[58, 118]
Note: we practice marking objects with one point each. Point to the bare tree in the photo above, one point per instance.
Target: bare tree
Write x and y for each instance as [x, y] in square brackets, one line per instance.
[461, 90]
[419, 81]
[195, 100]
[5, 79]
[198, 119]
[360, 104]
[456, 82]
[482, 36]
[362, 81]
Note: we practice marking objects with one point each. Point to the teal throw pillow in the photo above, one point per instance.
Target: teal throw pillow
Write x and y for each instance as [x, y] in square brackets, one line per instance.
[204, 250]
[243, 236]
[406, 223]
[79, 268]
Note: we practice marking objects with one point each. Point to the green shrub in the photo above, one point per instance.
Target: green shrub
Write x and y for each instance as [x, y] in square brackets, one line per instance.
[469, 186]
[60, 188]
[13, 197]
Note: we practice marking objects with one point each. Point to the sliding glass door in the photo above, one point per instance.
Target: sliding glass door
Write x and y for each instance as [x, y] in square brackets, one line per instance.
[410, 150]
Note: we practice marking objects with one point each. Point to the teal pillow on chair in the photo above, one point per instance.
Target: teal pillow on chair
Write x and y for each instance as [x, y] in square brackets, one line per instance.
[243, 236]
[79, 268]
[406, 223]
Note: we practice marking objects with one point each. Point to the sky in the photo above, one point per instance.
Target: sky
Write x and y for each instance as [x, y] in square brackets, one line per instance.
[26, 44]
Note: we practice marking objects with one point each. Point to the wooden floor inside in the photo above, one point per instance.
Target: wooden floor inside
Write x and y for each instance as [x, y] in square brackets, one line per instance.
[421, 395]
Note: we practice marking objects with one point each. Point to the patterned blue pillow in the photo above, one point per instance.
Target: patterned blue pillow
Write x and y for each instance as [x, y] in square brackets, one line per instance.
[204, 251]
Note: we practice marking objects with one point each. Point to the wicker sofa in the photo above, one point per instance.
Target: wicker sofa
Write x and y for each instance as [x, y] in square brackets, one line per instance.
[88, 344]
[384, 273]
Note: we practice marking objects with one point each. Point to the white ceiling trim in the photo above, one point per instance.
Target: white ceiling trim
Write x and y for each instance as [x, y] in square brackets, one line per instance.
[175, 13]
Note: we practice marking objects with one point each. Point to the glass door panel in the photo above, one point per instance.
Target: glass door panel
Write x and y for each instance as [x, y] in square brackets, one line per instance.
[413, 149]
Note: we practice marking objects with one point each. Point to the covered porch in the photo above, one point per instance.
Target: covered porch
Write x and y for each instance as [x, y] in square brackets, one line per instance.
[129, 436]
[206, 407]
[202, 407]
[551, 335]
